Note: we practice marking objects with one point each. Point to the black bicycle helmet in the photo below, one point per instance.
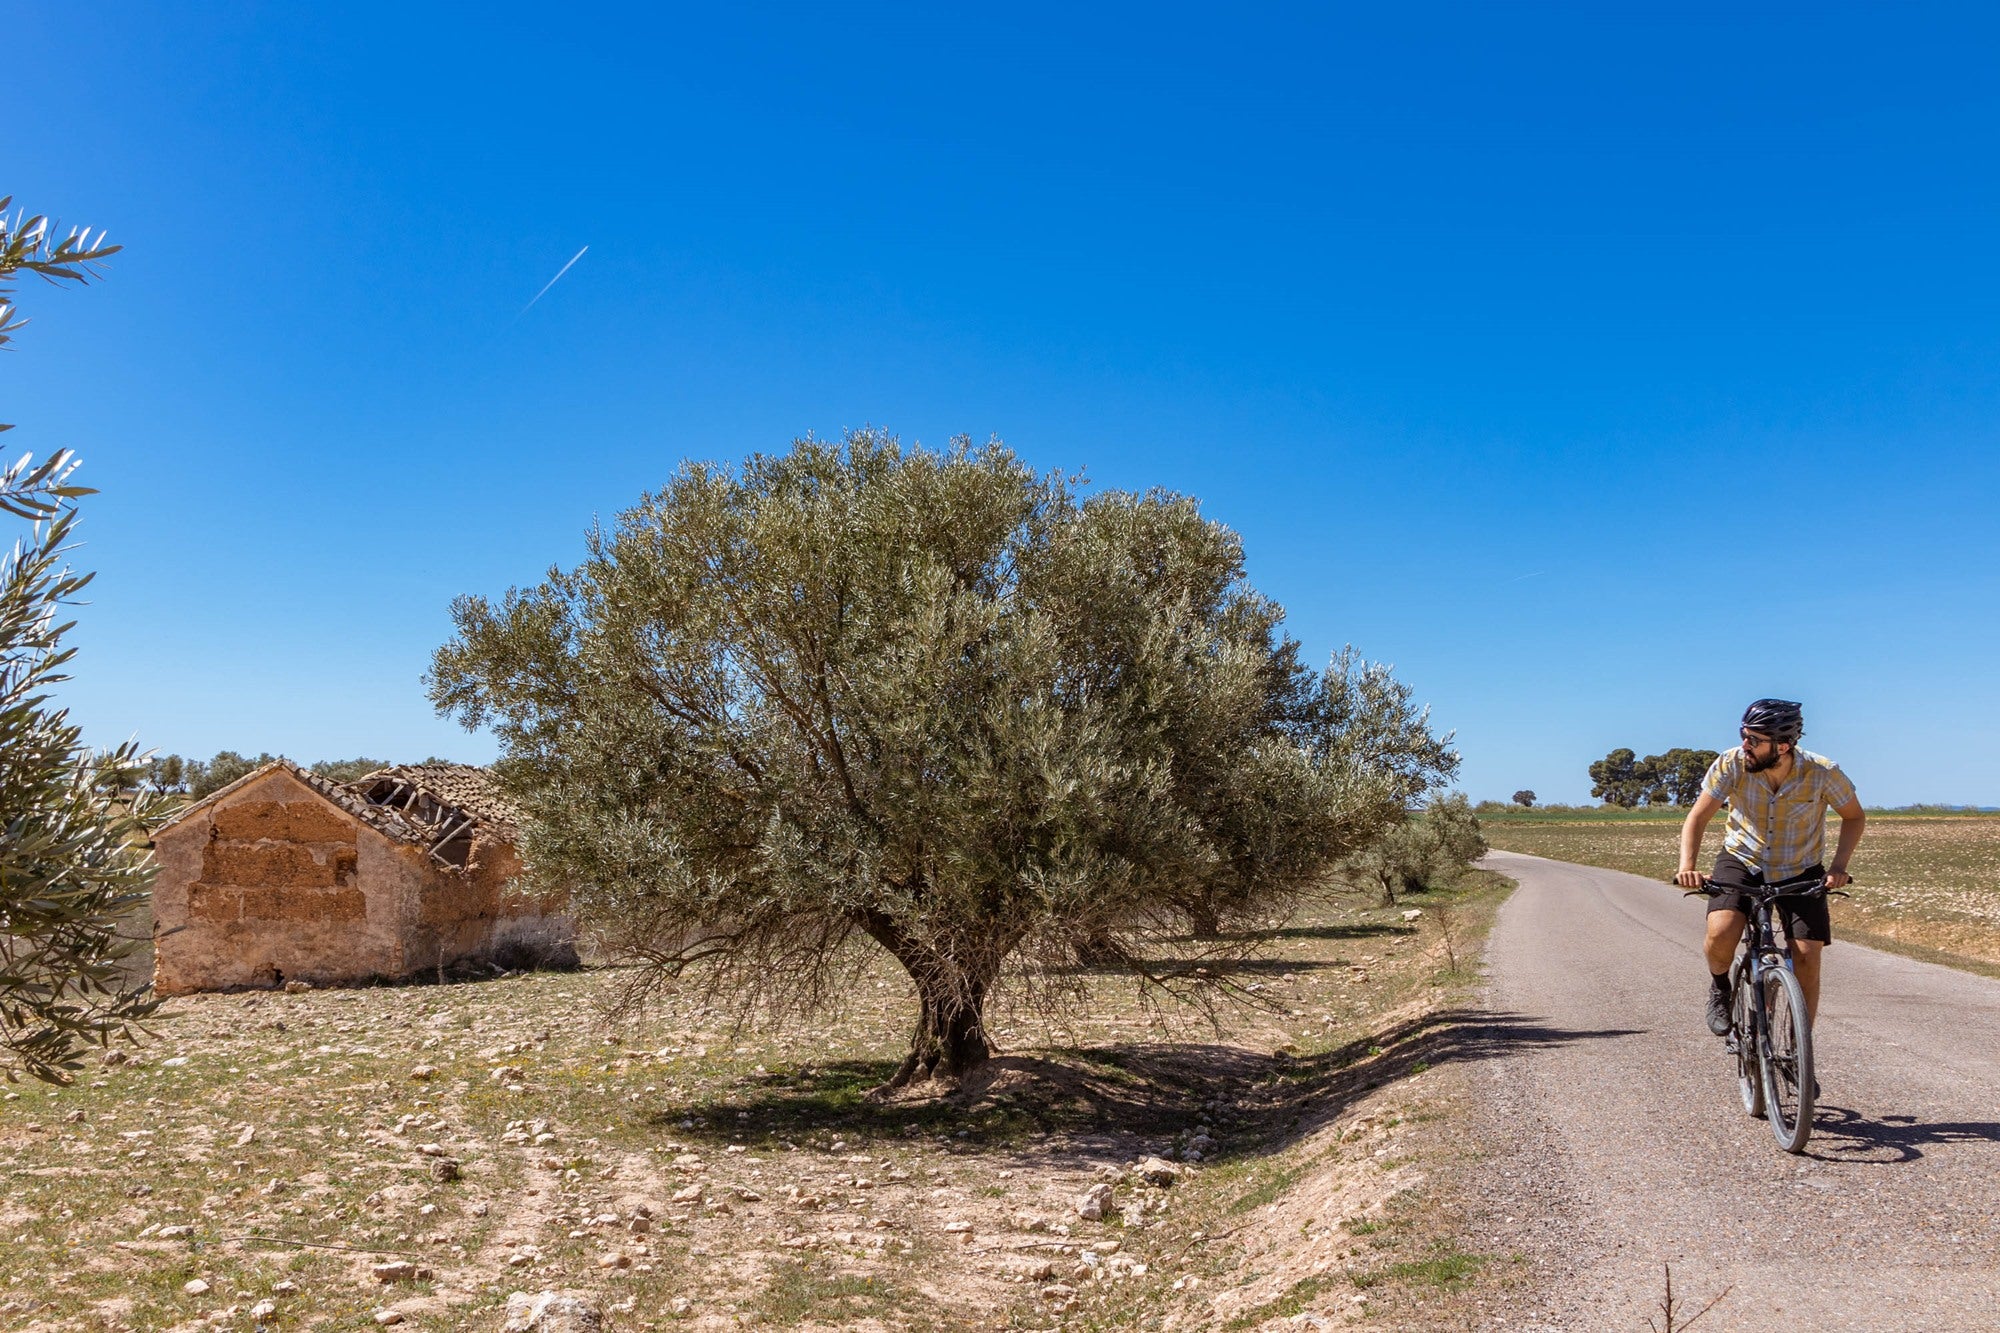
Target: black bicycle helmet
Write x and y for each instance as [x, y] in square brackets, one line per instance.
[1780, 719]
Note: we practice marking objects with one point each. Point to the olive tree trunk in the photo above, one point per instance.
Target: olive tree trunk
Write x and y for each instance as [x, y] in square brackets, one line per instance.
[1205, 922]
[949, 1040]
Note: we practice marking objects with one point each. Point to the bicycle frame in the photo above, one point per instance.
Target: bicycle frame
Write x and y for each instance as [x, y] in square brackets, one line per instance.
[1760, 943]
[1763, 1072]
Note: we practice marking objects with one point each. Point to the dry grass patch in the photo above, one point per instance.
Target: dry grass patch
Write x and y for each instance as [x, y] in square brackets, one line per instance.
[688, 1171]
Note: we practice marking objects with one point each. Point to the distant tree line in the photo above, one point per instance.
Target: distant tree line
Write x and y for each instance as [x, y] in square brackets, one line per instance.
[174, 775]
[1674, 778]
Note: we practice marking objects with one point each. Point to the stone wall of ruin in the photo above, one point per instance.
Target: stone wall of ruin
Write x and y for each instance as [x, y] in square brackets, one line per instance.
[268, 885]
[477, 914]
[274, 883]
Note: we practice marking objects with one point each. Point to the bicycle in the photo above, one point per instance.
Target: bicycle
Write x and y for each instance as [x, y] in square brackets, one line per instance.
[1769, 1033]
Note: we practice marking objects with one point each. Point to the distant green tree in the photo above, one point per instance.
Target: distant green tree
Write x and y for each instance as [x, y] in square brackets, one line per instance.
[1659, 779]
[347, 770]
[931, 700]
[1426, 851]
[1524, 798]
[72, 821]
[167, 773]
[1616, 779]
[205, 779]
[1677, 774]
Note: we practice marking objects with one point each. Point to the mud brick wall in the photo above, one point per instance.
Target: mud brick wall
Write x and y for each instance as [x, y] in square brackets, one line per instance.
[268, 885]
[274, 882]
[476, 914]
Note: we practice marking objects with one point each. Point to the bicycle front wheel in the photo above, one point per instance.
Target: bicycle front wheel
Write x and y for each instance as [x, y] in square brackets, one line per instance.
[1788, 1060]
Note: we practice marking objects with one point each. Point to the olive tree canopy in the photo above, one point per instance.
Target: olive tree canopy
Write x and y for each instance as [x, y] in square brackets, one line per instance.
[929, 698]
[73, 869]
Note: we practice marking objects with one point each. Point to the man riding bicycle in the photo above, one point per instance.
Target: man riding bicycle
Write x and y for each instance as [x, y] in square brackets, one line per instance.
[1777, 796]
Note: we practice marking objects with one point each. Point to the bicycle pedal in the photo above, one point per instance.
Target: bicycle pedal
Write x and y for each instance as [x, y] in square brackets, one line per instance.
[1732, 1045]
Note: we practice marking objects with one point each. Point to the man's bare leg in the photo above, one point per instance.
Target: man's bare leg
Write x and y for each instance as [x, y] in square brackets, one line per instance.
[1725, 929]
[1805, 965]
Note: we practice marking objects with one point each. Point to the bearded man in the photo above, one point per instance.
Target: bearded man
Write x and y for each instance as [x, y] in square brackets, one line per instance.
[1778, 796]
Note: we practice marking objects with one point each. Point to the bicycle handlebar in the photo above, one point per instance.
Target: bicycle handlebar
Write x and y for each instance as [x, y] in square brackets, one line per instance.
[1808, 889]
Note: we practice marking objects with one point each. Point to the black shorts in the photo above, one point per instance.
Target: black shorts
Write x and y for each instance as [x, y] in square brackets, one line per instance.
[1804, 918]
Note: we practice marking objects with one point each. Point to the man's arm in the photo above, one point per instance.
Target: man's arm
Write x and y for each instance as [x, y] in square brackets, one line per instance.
[1693, 827]
[1852, 822]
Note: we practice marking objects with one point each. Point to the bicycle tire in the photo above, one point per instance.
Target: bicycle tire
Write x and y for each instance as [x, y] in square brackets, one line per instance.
[1742, 1023]
[1787, 1056]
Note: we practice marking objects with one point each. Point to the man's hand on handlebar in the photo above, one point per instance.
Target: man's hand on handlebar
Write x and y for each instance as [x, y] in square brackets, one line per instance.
[1690, 879]
[1837, 879]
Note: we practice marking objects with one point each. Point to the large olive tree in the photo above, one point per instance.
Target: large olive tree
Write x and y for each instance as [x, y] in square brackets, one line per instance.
[932, 699]
[73, 869]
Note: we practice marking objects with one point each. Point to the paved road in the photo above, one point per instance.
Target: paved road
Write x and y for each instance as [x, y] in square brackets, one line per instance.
[1621, 1144]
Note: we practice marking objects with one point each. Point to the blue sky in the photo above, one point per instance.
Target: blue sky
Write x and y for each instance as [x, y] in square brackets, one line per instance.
[1602, 368]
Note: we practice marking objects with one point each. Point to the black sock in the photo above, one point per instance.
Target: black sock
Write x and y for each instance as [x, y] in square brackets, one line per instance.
[1721, 980]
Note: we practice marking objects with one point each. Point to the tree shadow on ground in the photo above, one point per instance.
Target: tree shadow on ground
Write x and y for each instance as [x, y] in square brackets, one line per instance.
[1222, 967]
[1139, 1095]
[1352, 932]
[1846, 1136]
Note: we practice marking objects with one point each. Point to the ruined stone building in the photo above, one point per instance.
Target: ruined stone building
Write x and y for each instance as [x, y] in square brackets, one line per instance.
[286, 876]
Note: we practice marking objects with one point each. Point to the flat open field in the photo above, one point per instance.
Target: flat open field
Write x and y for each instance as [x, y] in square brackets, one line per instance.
[268, 1160]
[1927, 885]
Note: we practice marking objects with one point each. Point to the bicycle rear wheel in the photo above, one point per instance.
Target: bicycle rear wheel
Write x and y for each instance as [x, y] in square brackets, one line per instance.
[1743, 1031]
[1788, 1060]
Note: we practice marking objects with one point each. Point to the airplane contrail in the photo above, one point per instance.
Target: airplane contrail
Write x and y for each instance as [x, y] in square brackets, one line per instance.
[552, 282]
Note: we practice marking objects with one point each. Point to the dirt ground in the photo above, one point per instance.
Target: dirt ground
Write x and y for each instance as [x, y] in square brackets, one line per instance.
[415, 1154]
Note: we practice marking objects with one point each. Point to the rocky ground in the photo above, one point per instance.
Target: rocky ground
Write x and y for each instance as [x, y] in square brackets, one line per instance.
[417, 1155]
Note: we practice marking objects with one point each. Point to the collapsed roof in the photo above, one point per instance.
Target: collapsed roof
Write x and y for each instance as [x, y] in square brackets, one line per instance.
[439, 807]
[449, 803]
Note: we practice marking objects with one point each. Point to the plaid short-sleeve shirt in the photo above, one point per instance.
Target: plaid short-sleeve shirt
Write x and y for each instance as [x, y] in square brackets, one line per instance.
[1780, 832]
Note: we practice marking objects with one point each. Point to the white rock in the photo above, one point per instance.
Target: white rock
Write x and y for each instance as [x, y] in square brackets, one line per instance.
[390, 1316]
[551, 1312]
[263, 1310]
[1413, 914]
[396, 1270]
[195, 1287]
[1092, 1205]
[1157, 1171]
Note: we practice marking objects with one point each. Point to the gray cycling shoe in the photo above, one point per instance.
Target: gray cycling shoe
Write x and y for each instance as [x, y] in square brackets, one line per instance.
[1718, 1011]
